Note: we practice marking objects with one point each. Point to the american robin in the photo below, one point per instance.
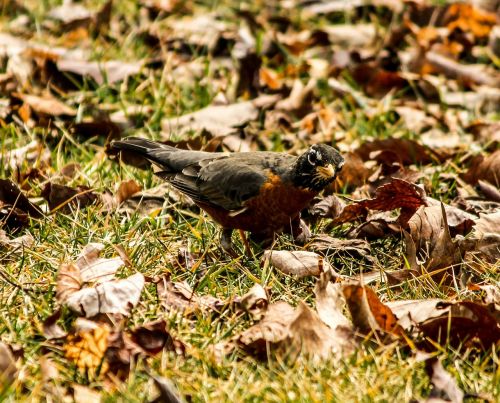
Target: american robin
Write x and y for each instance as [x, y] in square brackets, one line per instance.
[259, 192]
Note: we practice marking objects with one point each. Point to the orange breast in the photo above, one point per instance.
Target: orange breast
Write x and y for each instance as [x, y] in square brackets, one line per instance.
[271, 211]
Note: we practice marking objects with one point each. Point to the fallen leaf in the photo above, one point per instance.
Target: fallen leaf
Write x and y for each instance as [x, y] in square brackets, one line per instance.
[23, 241]
[94, 269]
[83, 394]
[330, 302]
[407, 151]
[445, 387]
[126, 190]
[309, 335]
[396, 194]
[463, 324]
[112, 297]
[11, 197]
[180, 297]
[333, 246]
[65, 198]
[298, 263]
[368, 313]
[87, 349]
[154, 337]
[430, 233]
[110, 72]
[219, 120]
[46, 105]
[255, 302]
[168, 394]
[485, 168]
[51, 329]
[68, 281]
[8, 366]
[273, 328]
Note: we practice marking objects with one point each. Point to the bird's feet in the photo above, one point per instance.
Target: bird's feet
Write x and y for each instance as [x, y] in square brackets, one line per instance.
[227, 244]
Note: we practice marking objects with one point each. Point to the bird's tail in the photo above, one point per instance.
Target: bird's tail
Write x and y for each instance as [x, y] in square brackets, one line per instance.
[140, 152]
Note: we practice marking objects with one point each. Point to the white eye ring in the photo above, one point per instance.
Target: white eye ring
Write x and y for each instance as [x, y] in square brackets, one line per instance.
[311, 158]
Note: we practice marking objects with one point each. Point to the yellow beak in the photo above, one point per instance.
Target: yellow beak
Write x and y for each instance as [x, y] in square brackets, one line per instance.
[327, 172]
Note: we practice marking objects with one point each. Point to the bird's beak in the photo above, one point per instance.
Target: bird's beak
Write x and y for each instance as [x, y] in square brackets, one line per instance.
[327, 172]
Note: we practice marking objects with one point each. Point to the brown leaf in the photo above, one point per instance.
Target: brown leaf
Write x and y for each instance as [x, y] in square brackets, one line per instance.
[445, 387]
[51, 329]
[68, 282]
[94, 269]
[309, 335]
[333, 246]
[126, 190]
[64, 198]
[354, 173]
[8, 367]
[472, 73]
[272, 329]
[299, 263]
[368, 313]
[219, 120]
[329, 207]
[485, 168]
[168, 394]
[396, 194]
[408, 151]
[11, 196]
[24, 241]
[111, 71]
[46, 105]
[255, 302]
[463, 324]
[430, 233]
[154, 337]
[180, 297]
[330, 302]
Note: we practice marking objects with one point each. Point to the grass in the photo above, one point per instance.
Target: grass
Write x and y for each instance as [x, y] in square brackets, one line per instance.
[373, 373]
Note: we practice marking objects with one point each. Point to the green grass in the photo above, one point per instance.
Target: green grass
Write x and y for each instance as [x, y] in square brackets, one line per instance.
[371, 374]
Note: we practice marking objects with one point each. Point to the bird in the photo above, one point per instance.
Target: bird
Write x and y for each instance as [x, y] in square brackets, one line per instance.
[261, 192]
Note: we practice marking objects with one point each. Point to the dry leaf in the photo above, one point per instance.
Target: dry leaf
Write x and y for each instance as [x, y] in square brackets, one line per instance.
[112, 297]
[154, 337]
[255, 302]
[180, 297]
[126, 190]
[431, 236]
[445, 387]
[46, 105]
[95, 269]
[87, 348]
[485, 168]
[219, 120]
[298, 263]
[65, 198]
[83, 394]
[8, 367]
[330, 302]
[111, 71]
[68, 282]
[396, 194]
[368, 313]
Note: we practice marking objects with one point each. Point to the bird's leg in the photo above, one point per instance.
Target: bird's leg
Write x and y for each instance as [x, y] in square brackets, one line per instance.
[225, 242]
[245, 243]
[300, 231]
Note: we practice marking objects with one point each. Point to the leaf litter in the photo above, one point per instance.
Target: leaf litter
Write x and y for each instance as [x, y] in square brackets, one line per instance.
[412, 105]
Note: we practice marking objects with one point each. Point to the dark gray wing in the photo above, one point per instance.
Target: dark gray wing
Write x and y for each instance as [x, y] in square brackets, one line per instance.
[228, 181]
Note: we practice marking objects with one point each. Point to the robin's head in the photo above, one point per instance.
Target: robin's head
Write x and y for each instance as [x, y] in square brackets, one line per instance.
[317, 167]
